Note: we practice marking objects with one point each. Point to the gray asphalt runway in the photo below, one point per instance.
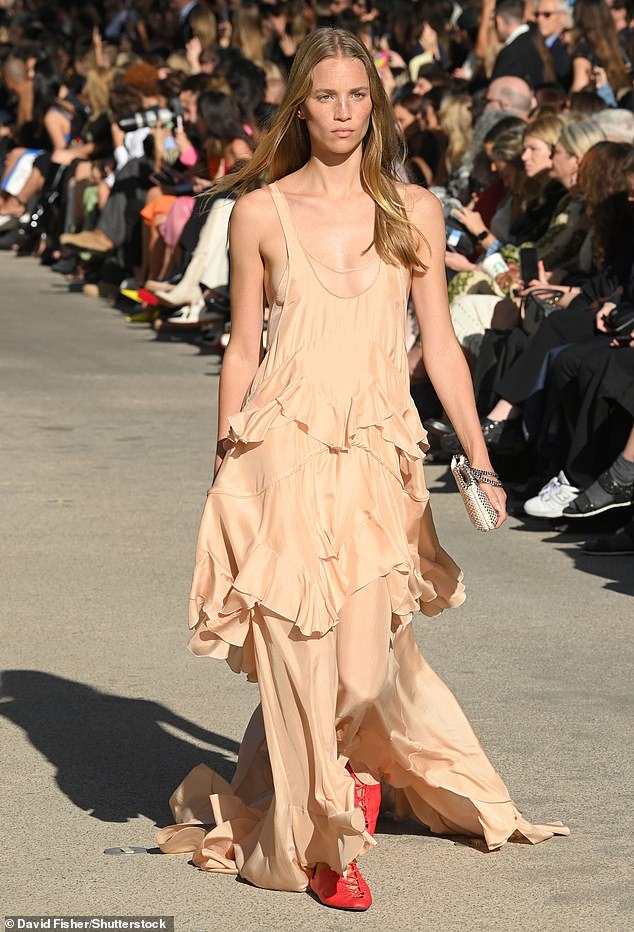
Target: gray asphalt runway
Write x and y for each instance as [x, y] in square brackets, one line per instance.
[107, 439]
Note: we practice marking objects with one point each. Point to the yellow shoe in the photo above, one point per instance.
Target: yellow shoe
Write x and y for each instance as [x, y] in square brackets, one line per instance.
[132, 294]
[147, 316]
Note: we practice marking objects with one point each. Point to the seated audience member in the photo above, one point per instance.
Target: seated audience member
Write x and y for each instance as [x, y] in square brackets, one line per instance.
[553, 17]
[597, 59]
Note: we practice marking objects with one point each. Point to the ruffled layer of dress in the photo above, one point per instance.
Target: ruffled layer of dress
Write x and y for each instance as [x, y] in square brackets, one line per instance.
[315, 499]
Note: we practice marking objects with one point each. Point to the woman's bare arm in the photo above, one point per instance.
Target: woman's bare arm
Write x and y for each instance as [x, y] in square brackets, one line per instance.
[581, 74]
[443, 358]
[57, 126]
[244, 350]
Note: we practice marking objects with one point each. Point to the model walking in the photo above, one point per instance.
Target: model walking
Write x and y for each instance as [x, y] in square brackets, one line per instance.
[317, 542]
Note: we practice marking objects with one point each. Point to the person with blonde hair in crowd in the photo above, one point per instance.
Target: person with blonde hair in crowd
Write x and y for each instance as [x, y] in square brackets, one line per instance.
[456, 121]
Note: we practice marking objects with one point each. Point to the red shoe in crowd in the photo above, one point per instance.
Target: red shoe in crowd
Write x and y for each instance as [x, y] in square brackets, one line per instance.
[368, 798]
[348, 891]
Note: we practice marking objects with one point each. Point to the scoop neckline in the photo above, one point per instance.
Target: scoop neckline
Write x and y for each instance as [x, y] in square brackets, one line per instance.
[306, 254]
[332, 268]
[352, 297]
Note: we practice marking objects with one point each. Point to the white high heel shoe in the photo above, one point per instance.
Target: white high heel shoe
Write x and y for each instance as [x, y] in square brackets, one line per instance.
[194, 315]
[179, 295]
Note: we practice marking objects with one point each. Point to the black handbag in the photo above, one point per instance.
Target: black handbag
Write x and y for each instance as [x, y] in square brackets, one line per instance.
[536, 306]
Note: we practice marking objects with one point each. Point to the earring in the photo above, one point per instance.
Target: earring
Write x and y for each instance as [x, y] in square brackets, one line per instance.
[300, 114]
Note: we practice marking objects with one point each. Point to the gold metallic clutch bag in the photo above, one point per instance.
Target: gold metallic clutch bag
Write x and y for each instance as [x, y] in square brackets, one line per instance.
[482, 514]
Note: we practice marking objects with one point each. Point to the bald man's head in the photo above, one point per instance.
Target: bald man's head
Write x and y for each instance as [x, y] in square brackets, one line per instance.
[511, 94]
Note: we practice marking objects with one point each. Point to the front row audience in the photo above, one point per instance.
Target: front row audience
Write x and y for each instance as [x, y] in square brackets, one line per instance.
[107, 145]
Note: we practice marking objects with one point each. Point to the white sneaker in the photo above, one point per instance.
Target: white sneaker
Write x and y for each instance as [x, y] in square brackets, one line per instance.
[552, 499]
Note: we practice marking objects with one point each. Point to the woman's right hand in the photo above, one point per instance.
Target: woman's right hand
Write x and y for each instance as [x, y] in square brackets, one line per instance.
[543, 277]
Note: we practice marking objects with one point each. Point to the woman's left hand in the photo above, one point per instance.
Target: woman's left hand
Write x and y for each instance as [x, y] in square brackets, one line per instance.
[497, 497]
[470, 219]
[458, 263]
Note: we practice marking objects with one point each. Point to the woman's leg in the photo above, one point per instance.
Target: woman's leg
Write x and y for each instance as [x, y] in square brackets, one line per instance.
[601, 425]
[565, 326]
[363, 644]
[15, 204]
[311, 817]
[9, 163]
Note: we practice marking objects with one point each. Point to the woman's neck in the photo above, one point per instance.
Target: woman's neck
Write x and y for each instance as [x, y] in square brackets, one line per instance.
[333, 179]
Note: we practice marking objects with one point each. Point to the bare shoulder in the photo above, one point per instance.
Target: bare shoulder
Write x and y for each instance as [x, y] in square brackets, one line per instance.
[254, 209]
[420, 204]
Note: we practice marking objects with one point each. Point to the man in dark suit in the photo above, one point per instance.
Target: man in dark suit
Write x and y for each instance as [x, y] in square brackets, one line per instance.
[519, 55]
[552, 18]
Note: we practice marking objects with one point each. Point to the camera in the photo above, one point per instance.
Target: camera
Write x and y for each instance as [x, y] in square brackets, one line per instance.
[151, 117]
[457, 236]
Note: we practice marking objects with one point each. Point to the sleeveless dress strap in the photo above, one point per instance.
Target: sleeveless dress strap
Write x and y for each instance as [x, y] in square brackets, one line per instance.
[288, 227]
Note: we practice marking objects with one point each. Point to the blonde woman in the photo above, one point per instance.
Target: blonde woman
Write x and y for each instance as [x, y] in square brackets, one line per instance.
[317, 543]
[540, 138]
[456, 121]
[248, 34]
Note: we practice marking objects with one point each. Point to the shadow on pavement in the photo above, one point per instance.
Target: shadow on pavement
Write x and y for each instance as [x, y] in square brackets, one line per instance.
[618, 569]
[113, 756]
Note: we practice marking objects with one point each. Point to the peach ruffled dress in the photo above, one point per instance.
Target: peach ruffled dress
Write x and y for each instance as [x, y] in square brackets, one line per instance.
[320, 508]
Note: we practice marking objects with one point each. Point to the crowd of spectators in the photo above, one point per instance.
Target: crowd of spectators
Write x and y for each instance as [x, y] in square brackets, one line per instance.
[518, 115]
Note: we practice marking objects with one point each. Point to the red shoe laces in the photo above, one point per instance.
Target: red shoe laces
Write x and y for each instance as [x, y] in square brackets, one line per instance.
[361, 792]
[351, 879]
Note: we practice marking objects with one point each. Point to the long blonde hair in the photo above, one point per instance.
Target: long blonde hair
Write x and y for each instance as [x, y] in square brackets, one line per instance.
[247, 33]
[203, 25]
[286, 146]
[457, 122]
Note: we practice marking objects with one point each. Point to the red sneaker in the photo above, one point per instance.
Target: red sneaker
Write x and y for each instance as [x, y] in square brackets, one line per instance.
[368, 798]
[348, 891]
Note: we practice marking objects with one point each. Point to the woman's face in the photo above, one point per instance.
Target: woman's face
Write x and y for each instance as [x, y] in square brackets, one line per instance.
[505, 171]
[403, 117]
[337, 110]
[536, 156]
[565, 166]
[188, 101]
[422, 86]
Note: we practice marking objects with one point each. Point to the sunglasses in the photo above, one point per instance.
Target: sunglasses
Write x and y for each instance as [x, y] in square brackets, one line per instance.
[547, 14]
